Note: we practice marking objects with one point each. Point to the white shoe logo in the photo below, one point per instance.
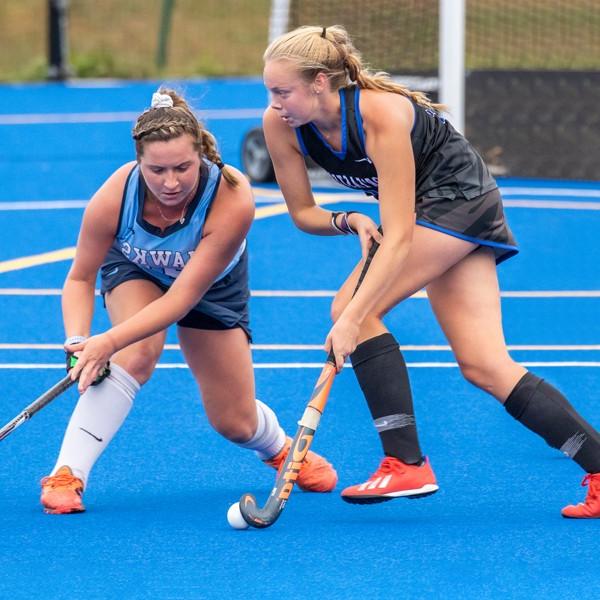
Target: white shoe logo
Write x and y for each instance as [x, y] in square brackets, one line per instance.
[366, 159]
[380, 482]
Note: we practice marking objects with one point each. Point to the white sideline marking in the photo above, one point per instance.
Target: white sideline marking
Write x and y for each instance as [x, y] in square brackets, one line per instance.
[120, 117]
[514, 197]
[43, 204]
[323, 199]
[550, 191]
[319, 365]
[332, 293]
[308, 347]
[509, 203]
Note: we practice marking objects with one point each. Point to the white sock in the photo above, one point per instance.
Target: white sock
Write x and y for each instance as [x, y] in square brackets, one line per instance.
[99, 414]
[269, 438]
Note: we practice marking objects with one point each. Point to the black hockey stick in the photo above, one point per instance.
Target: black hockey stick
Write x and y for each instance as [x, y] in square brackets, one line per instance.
[56, 390]
[286, 478]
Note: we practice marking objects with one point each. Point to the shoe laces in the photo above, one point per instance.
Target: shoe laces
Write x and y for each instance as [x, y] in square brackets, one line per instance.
[61, 480]
[388, 465]
[593, 481]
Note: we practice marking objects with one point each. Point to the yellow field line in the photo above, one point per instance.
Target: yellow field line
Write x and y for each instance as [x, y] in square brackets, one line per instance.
[37, 259]
[273, 210]
[16, 264]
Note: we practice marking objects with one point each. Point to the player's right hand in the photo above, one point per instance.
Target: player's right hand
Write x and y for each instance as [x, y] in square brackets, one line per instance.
[88, 360]
[366, 230]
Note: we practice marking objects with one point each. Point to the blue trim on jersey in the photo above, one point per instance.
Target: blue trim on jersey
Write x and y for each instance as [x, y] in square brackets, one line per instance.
[301, 141]
[123, 197]
[359, 121]
[198, 198]
[467, 238]
[164, 253]
[342, 153]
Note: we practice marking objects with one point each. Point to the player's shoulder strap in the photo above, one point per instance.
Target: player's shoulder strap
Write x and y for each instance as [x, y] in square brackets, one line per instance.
[130, 198]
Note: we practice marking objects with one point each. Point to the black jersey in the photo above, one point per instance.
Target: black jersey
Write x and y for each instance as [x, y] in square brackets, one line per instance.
[454, 191]
[445, 162]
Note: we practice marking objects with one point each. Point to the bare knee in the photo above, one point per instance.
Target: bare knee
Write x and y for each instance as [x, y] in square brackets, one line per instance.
[235, 426]
[337, 307]
[477, 373]
[371, 326]
[139, 362]
[492, 375]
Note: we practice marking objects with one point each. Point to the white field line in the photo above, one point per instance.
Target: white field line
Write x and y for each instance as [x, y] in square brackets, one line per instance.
[311, 347]
[120, 117]
[317, 365]
[43, 205]
[331, 199]
[510, 203]
[332, 293]
[515, 197]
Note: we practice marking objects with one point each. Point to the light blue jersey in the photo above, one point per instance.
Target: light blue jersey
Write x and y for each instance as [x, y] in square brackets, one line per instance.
[163, 254]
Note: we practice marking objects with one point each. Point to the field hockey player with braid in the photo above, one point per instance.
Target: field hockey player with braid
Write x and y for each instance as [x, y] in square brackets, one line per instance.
[444, 229]
[168, 234]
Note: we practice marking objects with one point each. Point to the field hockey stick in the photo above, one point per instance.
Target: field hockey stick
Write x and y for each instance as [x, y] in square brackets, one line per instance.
[56, 390]
[287, 476]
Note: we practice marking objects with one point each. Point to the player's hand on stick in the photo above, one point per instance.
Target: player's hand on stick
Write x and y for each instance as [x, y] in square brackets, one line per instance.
[88, 360]
[342, 340]
[366, 229]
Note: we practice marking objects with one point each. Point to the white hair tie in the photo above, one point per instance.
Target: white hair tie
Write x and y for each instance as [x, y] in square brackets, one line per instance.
[161, 101]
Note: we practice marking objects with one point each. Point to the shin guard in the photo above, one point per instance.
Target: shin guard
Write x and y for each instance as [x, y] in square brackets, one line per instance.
[545, 411]
[382, 375]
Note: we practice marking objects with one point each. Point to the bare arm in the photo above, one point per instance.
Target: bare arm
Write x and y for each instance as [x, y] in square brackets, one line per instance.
[292, 177]
[388, 121]
[97, 234]
[225, 229]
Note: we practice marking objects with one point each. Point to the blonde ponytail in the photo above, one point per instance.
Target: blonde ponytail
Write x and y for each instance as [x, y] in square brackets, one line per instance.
[330, 50]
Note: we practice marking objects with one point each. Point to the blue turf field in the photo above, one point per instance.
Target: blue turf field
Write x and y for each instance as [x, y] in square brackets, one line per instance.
[155, 526]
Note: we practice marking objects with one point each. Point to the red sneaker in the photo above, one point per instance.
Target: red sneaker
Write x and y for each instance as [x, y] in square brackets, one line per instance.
[61, 493]
[393, 479]
[590, 508]
[316, 474]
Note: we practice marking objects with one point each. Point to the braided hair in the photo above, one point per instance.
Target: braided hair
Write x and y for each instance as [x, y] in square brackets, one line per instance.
[169, 119]
[330, 50]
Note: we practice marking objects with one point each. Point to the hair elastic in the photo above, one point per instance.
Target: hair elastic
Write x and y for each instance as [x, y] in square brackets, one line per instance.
[160, 100]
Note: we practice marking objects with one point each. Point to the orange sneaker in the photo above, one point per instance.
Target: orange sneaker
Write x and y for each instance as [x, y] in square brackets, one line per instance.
[61, 493]
[590, 508]
[393, 479]
[316, 474]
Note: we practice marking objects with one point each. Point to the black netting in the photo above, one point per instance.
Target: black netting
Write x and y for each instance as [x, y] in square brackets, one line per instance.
[398, 36]
[401, 36]
[533, 34]
[227, 37]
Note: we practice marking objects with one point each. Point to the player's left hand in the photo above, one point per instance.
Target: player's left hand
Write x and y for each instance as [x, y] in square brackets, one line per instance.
[342, 339]
[92, 360]
[366, 229]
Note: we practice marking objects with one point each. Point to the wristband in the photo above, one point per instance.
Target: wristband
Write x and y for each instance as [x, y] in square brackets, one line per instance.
[71, 359]
[74, 339]
[344, 228]
[347, 214]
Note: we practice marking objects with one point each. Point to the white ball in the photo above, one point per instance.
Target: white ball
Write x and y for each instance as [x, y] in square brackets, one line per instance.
[234, 517]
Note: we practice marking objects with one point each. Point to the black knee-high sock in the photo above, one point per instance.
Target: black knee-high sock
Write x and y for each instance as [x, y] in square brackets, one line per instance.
[545, 411]
[383, 378]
